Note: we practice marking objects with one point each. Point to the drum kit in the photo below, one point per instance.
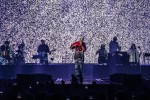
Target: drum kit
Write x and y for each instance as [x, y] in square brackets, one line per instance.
[3, 61]
[6, 58]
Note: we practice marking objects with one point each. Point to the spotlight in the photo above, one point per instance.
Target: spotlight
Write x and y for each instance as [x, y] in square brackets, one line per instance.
[37, 83]
[1, 92]
[86, 87]
[19, 96]
[90, 97]
[30, 87]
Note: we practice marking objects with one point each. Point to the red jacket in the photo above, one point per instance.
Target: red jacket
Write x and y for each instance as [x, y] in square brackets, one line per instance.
[77, 46]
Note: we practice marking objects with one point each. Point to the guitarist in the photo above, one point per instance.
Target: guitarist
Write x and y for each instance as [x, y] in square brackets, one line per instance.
[43, 51]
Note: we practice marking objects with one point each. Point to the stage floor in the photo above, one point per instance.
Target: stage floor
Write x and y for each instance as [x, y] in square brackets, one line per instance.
[63, 71]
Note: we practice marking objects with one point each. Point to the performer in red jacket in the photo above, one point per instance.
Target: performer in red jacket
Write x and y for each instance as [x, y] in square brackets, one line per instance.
[79, 48]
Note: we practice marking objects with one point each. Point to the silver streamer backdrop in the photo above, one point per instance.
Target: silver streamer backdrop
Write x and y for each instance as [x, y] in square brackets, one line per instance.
[61, 22]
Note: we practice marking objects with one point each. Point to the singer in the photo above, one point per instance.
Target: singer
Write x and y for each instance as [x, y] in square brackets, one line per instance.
[79, 47]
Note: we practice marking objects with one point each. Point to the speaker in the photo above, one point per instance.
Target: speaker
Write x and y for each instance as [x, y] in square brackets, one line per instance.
[28, 79]
[126, 79]
[133, 79]
[25, 79]
[118, 77]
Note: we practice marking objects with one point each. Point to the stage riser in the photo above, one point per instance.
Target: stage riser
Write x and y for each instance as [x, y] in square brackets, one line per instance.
[105, 71]
[64, 71]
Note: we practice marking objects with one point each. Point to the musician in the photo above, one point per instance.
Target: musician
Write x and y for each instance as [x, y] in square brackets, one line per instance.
[134, 54]
[43, 51]
[20, 59]
[6, 51]
[119, 56]
[113, 48]
[79, 48]
[113, 45]
[102, 58]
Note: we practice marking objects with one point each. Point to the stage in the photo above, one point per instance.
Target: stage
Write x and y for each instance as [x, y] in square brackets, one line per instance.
[63, 71]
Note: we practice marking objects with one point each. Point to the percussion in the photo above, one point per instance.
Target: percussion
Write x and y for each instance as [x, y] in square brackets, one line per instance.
[3, 61]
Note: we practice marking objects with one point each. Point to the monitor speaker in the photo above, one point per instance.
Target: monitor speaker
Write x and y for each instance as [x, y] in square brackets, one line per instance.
[28, 79]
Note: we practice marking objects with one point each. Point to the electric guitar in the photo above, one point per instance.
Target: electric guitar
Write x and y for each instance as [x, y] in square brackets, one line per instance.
[42, 54]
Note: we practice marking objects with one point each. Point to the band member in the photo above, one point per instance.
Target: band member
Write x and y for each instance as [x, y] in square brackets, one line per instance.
[113, 45]
[134, 54]
[119, 56]
[6, 52]
[102, 58]
[79, 48]
[113, 48]
[43, 51]
[20, 59]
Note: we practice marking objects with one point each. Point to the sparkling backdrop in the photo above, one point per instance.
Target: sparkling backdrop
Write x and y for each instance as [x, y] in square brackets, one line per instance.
[61, 22]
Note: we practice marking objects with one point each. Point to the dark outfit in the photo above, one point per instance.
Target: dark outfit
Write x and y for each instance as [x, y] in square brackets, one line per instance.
[20, 57]
[113, 48]
[43, 49]
[102, 58]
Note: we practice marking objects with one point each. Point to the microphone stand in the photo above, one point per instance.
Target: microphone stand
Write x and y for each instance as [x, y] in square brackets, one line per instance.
[140, 66]
[139, 61]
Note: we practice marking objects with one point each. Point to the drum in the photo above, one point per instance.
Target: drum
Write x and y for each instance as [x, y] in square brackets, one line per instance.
[3, 61]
